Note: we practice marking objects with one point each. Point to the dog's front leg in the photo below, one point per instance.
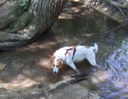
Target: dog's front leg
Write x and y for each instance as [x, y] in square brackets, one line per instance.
[72, 65]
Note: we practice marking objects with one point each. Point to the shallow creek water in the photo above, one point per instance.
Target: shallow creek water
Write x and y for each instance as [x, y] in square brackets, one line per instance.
[112, 81]
[28, 66]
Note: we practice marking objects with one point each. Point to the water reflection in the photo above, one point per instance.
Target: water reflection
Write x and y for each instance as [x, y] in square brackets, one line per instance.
[117, 64]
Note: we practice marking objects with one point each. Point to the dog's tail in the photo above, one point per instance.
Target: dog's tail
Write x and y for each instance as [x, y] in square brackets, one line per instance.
[95, 48]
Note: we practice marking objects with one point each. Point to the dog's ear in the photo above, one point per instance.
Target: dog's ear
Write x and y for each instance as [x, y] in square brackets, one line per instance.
[60, 62]
[52, 59]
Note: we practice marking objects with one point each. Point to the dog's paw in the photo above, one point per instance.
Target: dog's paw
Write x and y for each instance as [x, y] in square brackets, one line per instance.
[101, 67]
[94, 69]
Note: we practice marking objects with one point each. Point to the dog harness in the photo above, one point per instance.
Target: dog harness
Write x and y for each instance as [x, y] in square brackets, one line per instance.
[74, 50]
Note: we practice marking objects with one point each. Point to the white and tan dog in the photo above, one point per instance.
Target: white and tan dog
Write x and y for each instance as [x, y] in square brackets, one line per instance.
[70, 55]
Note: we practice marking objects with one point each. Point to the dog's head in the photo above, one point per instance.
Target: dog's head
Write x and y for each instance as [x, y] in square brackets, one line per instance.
[56, 63]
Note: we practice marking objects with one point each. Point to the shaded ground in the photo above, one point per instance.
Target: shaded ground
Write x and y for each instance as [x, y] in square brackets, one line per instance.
[28, 67]
[25, 72]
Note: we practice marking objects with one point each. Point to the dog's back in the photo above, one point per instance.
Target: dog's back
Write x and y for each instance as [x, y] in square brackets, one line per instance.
[79, 48]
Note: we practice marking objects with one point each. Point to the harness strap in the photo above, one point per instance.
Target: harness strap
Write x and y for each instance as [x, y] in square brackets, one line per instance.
[74, 50]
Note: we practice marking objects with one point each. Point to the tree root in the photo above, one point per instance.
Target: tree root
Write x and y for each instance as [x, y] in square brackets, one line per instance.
[61, 84]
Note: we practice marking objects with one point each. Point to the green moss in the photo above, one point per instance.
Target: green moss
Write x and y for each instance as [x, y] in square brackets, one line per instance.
[23, 21]
[24, 4]
[19, 7]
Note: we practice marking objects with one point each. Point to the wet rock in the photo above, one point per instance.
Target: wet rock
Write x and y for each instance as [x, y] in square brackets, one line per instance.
[75, 91]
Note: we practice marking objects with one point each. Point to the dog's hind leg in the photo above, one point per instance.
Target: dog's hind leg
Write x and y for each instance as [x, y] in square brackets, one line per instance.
[92, 59]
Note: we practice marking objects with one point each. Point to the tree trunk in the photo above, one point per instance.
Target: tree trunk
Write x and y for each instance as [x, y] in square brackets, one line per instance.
[28, 19]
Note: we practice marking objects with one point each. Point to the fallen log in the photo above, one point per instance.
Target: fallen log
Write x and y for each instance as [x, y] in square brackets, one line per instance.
[63, 83]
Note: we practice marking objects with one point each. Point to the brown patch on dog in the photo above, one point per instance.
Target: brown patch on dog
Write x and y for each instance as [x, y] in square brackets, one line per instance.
[59, 62]
[51, 60]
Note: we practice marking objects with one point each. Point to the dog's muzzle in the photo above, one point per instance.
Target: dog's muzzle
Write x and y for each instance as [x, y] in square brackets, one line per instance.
[55, 69]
